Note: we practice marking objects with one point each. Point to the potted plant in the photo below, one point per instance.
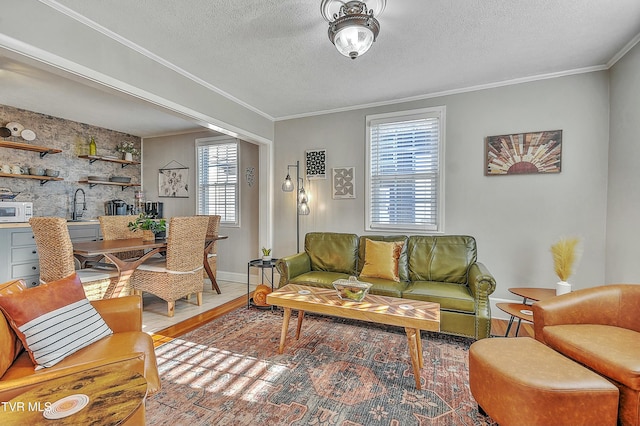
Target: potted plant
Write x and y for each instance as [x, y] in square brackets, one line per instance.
[565, 255]
[266, 255]
[128, 150]
[151, 228]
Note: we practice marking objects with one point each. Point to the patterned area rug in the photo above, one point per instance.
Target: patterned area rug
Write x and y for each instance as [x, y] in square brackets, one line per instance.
[340, 372]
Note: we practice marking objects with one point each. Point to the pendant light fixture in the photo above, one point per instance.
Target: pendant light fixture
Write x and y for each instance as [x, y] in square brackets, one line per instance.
[352, 26]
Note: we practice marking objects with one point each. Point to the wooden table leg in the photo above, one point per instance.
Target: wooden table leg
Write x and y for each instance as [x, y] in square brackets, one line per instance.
[419, 344]
[413, 352]
[125, 270]
[285, 327]
[210, 274]
[300, 318]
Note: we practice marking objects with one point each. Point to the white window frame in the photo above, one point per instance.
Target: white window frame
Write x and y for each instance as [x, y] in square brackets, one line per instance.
[219, 140]
[438, 113]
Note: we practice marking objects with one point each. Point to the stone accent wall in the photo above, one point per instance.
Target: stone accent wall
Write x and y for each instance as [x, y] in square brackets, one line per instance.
[55, 198]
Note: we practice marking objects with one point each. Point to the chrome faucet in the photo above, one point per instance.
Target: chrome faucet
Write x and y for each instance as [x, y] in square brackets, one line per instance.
[75, 215]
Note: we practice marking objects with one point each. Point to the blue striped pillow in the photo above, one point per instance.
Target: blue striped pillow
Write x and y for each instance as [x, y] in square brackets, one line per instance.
[53, 320]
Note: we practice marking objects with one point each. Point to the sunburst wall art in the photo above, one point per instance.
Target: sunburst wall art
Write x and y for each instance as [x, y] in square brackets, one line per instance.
[524, 153]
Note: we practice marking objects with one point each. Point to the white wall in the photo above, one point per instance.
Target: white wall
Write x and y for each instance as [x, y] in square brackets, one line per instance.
[514, 219]
[242, 244]
[623, 226]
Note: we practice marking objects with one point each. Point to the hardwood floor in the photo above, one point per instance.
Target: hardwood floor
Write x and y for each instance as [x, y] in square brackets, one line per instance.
[498, 327]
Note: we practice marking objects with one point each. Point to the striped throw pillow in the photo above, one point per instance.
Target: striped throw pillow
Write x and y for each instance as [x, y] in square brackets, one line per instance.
[53, 320]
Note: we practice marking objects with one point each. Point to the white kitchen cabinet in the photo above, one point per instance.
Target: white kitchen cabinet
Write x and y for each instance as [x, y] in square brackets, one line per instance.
[19, 255]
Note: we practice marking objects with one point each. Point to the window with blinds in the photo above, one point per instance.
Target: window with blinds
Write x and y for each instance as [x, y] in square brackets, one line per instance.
[217, 178]
[405, 170]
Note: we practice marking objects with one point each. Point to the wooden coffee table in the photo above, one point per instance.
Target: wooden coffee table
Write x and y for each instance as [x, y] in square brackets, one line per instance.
[413, 315]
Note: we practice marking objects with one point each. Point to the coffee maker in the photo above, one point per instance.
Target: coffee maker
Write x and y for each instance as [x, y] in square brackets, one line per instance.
[154, 209]
[115, 207]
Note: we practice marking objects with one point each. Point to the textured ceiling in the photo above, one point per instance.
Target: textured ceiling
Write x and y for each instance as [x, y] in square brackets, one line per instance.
[275, 56]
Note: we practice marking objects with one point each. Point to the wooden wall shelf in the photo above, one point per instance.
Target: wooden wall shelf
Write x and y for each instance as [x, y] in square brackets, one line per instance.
[42, 179]
[93, 183]
[43, 150]
[93, 158]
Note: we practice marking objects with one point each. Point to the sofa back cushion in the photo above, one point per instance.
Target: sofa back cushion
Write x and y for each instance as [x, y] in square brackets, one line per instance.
[441, 258]
[403, 269]
[330, 251]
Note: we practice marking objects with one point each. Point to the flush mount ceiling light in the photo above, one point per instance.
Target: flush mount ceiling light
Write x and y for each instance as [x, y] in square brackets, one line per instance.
[352, 26]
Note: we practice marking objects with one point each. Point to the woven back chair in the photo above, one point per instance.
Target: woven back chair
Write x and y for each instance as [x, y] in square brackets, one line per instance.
[55, 256]
[179, 274]
[213, 230]
[116, 228]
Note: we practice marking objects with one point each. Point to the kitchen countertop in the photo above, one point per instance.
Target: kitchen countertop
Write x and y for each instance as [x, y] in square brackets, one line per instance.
[9, 225]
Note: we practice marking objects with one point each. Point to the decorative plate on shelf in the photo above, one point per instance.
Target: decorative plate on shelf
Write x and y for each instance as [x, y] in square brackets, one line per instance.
[28, 135]
[16, 128]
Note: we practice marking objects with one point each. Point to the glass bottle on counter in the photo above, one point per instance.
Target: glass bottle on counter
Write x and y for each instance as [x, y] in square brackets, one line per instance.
[92, 146]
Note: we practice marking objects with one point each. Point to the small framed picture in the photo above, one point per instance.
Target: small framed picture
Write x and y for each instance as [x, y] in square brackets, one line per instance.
[316, 163]
[343, 182]
[173, 183]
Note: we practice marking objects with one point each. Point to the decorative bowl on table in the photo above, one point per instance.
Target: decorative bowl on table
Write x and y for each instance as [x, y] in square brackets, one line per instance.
[351, 290]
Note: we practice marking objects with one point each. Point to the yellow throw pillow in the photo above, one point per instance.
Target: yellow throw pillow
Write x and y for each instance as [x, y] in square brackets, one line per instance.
[381, 259]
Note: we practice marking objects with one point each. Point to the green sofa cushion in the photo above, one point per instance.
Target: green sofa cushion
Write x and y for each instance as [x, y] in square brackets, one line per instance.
[383, 287]
[441, 258]
[330, 251]
[451, 297]
[322, 279]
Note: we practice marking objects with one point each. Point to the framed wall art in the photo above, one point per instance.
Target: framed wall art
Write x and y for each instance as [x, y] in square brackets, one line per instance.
[523, 153]
[173, 183]
[316, 163]
[343, 183]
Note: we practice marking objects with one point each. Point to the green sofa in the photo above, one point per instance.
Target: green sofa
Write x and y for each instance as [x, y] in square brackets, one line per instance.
[440, 269]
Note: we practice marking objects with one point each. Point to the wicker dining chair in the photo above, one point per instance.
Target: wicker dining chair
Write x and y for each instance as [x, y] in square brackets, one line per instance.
[116, 228]
[55, 257]
[213, 229]
[178, 275]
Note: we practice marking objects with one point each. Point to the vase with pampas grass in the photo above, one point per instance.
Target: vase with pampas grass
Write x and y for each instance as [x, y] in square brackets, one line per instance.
[565, 256]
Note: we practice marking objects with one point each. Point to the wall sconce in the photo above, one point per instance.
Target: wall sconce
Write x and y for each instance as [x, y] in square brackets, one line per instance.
[302, 200]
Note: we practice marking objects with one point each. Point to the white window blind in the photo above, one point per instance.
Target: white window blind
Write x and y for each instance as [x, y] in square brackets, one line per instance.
[217, 163]
[404, 155]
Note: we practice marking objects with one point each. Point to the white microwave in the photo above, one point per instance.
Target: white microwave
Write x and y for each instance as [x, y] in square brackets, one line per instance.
[13, 211]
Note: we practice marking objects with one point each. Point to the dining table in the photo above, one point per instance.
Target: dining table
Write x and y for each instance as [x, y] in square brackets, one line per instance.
[109, 248]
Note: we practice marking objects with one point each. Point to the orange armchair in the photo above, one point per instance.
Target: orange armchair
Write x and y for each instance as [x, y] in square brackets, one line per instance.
[128, 347]
[599, 328]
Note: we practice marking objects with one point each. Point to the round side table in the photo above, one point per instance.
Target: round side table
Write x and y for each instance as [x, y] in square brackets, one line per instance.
[522, 311]
[264, 267]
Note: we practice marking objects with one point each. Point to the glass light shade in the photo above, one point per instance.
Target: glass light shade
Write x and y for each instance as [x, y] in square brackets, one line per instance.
[303, 208]
[353, 41]
[302, 197]
[287, 186]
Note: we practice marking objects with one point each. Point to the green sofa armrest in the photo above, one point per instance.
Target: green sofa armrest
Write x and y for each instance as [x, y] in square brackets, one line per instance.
[481, 282]
[291, 266]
